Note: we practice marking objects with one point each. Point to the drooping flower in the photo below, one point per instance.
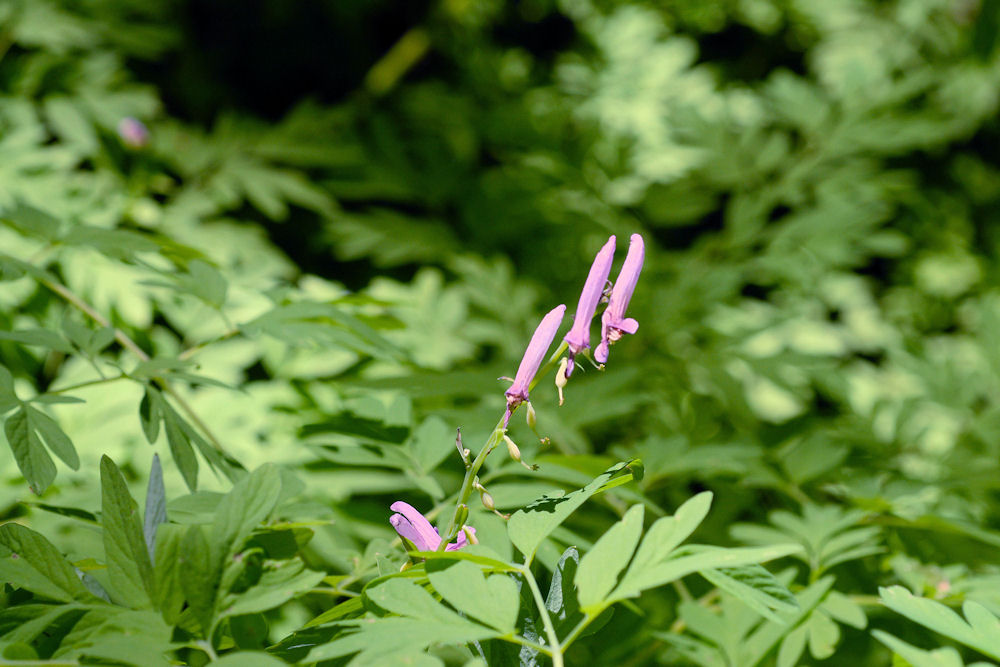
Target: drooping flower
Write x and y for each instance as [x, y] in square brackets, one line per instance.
[613, 322]
[533, 356]
[415, 528]
[133, 132]
[578, 337]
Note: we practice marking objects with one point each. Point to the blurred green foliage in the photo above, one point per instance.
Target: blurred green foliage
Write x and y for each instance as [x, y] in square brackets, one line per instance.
[324, 263]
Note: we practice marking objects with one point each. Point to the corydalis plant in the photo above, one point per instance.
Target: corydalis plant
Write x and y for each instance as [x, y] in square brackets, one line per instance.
[410, 524]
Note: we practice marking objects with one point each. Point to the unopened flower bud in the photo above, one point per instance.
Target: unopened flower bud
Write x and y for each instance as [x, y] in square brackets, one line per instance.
[470, 535]
[487, 500]
[561, 379]
[532, 419]
[512, 449]
[462, 515]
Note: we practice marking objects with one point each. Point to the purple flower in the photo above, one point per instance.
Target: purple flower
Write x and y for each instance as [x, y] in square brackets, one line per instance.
[132, 132]
[613, 322]
[539, 345]
[578, 337]
[416, 529]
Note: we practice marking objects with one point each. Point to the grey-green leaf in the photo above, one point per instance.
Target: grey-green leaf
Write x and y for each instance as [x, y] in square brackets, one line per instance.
[156, 506]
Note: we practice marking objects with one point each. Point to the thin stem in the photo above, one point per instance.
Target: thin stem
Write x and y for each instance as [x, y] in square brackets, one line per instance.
[72, 298]
[133, 347]
[575, 632]
[89, 383]
[189, 411]
[518, 639]
[550, 631]
[470, 476]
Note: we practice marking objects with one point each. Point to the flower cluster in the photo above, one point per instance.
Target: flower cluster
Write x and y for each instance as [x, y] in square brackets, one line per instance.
[613, 322]
[411, 525]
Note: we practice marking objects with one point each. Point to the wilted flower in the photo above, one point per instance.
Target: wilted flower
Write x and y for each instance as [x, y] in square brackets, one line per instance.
[578, 337]
[539, 345]
[415, 528]
[613, 321]
[133, 132]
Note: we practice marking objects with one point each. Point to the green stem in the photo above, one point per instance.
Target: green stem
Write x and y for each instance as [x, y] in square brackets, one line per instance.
[89, 383]
[470, 476]
[495, 438]
[575, 632]
[134, 348]
[550, 631]
[517, 639]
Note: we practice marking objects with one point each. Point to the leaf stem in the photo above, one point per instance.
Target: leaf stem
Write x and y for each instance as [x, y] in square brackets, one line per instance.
[575, 632]
[518, 639]
[89, 383]
[134, 348]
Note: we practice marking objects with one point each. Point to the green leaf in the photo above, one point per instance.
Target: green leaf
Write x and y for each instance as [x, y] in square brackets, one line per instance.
[981, 632]
[792, 647]
[845, 610]
[150, 413]
[432, 442]
[8, 399]
[248, 659]
[424, 622]
[529, 526]
[28, 631]
[34, 462]
[207, 283]
[128, 559]
[54, 437]
[242, 509]
[156, 505]
[493, 600]
[40, 338]
[275, 588]
[180, 446]
[168, 571]
[757, 588]
[599, 569]
[823, 635]
[198, 576]
[700, 558]
[763, 640]
[940, 657]
[32, 222]
[29, 561]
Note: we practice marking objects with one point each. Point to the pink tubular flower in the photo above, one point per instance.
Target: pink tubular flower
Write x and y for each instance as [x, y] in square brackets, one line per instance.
[578, 337]
[533, 356]
[613, 321]
[132, 132]
[416, 529]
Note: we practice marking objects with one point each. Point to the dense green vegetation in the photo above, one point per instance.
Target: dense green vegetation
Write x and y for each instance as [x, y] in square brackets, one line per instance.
[259, 262]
